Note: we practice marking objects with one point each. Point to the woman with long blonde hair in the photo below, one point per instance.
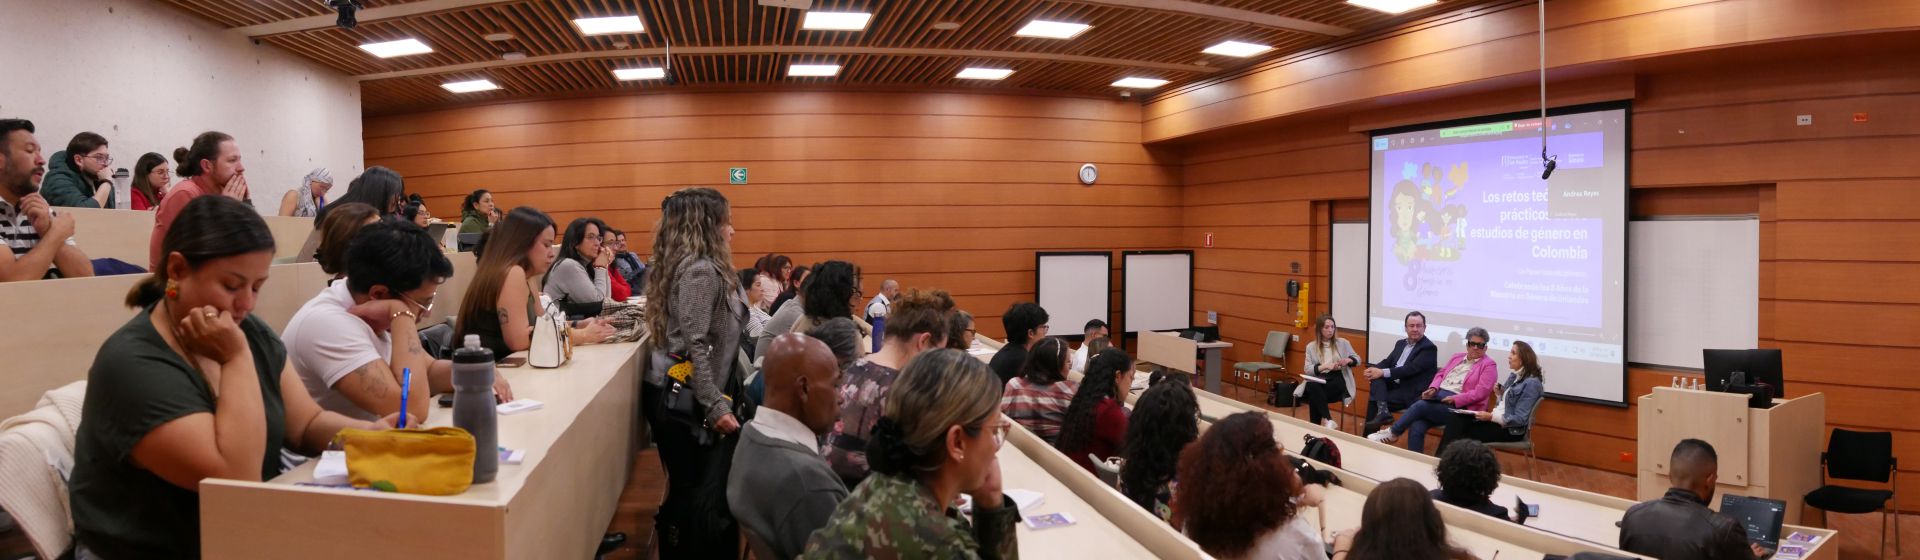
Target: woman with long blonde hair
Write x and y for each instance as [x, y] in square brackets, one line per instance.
[695, 316]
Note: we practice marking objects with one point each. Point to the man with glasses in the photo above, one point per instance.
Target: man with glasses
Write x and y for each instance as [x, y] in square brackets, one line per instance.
[353, 344]
[1026, 323]
[81, 176]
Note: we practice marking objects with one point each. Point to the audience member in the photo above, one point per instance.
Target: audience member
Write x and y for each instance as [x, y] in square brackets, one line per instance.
[82, 175]
[1095, 329]
[960, 331]
[577, 281]
[1465, 384]
[306, 200]
[39, 242]
[1217, 511]
[617, 285]
[694, 311]
[833, 291]
[210, 166]
[843, 338]
[760, 293]
[1096, 419]
[796, 280]
[1680, 525]
[382, 188]
[354, 342]
[1394, 383]
[1026, 324]
[780, 489]
[149, 181]
[500, 305]
[1165, 419]
[1398, 522]
[1331, 358]
[1509, 420]
[191, 388]
[336, 234]
[785, 316]
[630, 266]
[780, 267]
[476, 212]
[1038, 399]
[919, 324]
[939, 437]
[415, 210]
[1468, 474]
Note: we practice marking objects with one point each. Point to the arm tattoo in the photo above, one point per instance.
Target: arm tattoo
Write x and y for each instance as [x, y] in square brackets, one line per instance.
[370, 382]
[503, 318]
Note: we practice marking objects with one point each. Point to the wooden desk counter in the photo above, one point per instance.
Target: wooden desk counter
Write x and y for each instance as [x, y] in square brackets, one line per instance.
[555, 504]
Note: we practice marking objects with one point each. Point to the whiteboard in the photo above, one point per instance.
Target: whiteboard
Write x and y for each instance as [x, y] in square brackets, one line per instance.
[1692, 284]
[1074, 288]
[1349, 280]
[1157, 290]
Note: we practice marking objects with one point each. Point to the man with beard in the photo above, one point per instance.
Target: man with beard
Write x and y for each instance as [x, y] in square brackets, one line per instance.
[37, 244]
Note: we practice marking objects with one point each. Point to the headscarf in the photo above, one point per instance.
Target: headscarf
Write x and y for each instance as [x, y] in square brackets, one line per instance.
[303, 202]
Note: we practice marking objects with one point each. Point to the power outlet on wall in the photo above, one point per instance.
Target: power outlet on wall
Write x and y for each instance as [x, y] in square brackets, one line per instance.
[1803, 120]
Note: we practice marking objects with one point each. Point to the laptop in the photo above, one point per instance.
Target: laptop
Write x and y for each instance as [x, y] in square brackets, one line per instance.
[1762, 518]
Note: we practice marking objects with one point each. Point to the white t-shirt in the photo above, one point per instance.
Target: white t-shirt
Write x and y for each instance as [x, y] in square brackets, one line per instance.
[1080, 359]
[326, 343]
[878, 307]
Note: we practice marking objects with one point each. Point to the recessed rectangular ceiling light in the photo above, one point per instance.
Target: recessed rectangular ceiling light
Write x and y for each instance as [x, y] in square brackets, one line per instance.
[609, 25]
[1393, 6]
[1052, 29]
[1236, 48]
[836, 21]
[984, 74]
[629, 74]
[470, 86]
[401, 47]
[812, 70]
[1139, 83]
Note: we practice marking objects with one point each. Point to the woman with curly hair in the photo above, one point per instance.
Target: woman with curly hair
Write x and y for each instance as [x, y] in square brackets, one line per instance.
[1214, 508]
[1165, 419]
[1468, 474]
[833, 291]
[1096, 422]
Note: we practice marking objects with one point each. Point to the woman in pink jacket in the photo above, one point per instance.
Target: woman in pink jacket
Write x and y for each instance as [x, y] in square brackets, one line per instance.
[1466, 384]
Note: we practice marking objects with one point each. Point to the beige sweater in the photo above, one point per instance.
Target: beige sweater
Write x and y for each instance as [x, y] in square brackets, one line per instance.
[36, 454]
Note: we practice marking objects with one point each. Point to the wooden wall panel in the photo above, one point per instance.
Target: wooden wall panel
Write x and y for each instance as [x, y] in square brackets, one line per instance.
[1838, 202]
[947, 191]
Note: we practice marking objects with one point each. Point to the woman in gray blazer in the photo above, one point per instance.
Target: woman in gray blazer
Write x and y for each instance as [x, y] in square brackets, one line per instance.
[1331, 359]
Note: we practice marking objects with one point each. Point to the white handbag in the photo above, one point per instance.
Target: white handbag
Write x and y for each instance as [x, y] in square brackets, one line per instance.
[550, 347]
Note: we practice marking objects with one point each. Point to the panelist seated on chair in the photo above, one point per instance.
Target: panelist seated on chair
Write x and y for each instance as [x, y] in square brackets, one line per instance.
[1509, 421]
[1329, 358]
[1679, 526]
[1465, 384]
[1395, 383]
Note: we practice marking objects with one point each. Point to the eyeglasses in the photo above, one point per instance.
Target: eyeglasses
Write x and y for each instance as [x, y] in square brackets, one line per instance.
[1480, 345]
[425, 307]
[102, 159]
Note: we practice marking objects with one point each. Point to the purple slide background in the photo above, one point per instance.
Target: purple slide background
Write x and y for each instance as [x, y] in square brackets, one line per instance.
[1483, 266]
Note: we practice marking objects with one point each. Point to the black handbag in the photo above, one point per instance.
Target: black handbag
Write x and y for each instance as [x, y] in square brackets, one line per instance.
[1281, 394]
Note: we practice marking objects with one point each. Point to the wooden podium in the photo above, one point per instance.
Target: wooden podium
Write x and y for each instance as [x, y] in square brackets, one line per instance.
[1769, 453]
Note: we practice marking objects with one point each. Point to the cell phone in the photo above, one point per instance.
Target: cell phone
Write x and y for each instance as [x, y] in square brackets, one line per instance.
[1049, 521]
[513, 362]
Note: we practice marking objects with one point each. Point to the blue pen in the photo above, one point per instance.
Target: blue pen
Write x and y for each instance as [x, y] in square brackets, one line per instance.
[406, 386]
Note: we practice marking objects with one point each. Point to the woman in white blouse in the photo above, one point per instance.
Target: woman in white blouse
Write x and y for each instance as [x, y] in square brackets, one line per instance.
[1329, 358]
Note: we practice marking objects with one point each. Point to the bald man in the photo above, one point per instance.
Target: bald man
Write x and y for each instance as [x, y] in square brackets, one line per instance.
[780, 488]
[1679, 525]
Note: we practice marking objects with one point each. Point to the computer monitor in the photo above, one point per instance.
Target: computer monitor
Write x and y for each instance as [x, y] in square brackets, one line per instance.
[1761, 517]
[1761, 365]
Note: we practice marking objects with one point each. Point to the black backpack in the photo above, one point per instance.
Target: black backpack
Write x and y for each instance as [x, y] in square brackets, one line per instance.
[1322, 450]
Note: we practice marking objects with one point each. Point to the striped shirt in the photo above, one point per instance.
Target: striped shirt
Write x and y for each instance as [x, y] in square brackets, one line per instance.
[1040, 408]
[17, 230]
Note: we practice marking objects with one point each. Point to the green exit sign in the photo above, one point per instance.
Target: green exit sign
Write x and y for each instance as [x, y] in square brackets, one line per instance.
[737, 175]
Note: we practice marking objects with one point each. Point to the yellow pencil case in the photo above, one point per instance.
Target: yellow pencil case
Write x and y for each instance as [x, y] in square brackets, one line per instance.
[435, 462]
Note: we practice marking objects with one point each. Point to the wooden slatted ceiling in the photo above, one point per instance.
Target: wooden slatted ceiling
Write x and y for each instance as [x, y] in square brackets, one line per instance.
[543, 28]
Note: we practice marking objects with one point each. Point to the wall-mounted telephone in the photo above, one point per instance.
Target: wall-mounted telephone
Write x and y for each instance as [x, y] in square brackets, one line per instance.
[1293, 289]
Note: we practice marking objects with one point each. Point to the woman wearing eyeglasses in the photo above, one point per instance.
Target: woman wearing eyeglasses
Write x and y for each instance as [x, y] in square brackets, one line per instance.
[1465, 384]
[938, 437]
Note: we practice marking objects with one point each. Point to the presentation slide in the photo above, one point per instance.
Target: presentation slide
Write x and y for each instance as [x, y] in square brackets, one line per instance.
[1467, 232]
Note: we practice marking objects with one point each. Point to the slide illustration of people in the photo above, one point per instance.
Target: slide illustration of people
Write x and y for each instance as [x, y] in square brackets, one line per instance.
[1429, 220]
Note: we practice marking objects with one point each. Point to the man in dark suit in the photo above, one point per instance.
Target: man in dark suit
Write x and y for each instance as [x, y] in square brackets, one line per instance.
[1396, 382]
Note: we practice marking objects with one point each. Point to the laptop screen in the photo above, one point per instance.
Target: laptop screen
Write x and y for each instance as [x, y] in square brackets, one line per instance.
[1762, 517]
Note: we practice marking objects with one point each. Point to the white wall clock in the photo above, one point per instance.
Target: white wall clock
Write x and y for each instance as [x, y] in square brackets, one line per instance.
[1088, 174]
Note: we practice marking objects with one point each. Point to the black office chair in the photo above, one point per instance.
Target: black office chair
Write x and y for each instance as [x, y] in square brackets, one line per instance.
[1867, 456]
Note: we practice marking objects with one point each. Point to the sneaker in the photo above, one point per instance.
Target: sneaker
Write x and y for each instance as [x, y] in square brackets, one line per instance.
[1385, 435]
[1331, 425]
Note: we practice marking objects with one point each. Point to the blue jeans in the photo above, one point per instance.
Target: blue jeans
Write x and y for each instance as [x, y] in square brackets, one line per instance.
[1422, 416]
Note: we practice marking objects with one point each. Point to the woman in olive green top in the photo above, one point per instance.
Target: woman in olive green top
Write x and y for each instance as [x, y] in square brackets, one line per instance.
[193, 388]
[938, 437]
[476, 212]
